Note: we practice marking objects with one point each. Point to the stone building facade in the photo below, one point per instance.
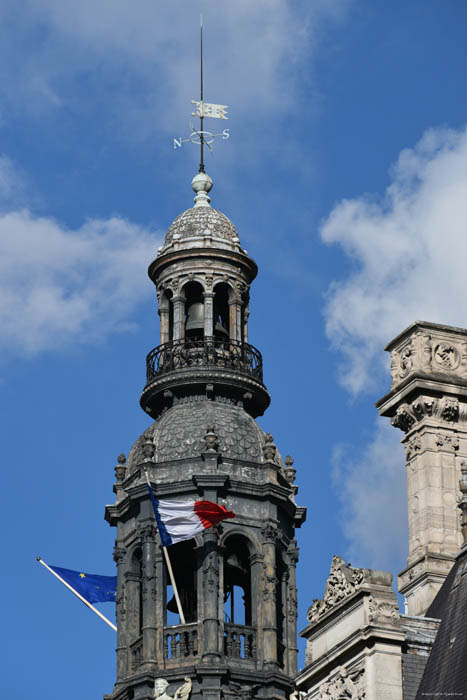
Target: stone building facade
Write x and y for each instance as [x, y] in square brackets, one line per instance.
[358, 643]
[236, 581]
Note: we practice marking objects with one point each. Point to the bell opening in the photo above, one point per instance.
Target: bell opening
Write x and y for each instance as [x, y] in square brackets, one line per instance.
[237, 583]
[221, 311]
[194, 311]
[183, 560]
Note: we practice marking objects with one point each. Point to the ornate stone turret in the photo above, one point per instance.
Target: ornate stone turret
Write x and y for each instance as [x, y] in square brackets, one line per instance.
[428, 402]
[237, 581]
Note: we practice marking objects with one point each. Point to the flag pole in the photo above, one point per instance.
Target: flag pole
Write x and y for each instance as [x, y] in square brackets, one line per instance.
[169, 566]
[78, 595]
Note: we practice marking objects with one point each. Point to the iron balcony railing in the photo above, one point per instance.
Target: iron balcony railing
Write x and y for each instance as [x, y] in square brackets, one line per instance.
[204, 352]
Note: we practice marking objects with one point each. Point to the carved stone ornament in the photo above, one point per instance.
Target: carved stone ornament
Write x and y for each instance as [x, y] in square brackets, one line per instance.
[210, 439]
[269, 448]
[270, 533]
[345, 685]
[244, 692]
[342, 582]
[289, 471]
[446, 409]
[412, 446]
[404, 418]
[382, 612]
[406, 357]
[148, 449]
[182, 693]
[446, 356]
[120, 469]
[446, 442]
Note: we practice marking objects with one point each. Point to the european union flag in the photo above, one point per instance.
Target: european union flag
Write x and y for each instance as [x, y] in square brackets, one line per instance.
[96, 589]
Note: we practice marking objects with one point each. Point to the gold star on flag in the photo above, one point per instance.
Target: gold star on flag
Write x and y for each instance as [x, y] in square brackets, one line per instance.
[82, 576]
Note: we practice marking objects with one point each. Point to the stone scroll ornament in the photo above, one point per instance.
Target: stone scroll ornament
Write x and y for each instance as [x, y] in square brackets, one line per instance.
[182, 693]
[343, 581]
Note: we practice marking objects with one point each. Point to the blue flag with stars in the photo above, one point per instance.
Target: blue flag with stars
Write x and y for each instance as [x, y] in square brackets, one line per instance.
[96, 589]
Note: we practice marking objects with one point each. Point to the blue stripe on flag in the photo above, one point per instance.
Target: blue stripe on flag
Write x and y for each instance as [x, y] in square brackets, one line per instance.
[165, 537]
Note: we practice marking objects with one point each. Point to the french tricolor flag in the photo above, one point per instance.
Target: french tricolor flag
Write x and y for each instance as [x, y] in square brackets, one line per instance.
[182, 520]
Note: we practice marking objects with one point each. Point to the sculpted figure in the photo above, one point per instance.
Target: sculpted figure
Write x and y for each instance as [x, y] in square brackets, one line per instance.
[160, 690]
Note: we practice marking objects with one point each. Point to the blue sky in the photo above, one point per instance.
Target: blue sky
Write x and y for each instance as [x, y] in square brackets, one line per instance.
[346, 176]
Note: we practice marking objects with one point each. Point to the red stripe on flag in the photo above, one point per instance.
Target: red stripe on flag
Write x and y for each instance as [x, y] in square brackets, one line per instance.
[211, 513]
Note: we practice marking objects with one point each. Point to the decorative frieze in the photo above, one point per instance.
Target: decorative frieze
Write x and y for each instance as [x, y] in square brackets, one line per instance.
[345, 685]
[431, 349]
[445, 410]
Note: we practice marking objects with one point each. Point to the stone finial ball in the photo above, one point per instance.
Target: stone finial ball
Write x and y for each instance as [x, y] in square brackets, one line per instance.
[202, 183]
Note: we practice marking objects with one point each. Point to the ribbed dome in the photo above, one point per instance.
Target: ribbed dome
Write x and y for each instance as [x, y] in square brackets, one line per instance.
[179, 434]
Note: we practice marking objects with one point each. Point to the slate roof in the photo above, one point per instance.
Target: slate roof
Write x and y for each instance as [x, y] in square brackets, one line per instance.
[446, 670]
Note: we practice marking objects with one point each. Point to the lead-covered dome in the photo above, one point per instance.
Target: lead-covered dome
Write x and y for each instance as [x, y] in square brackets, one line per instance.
[201, 225]
[179, 434]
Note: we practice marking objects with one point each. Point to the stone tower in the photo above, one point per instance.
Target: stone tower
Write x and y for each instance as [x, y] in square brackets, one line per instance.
[204, 390]
[428, 402]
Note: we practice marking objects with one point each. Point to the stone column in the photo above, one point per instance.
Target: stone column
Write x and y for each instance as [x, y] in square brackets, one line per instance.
[246, 314]
[269, 598]
[164, 323]
[120, 610]
[208, 314]
[149, 596]
[428, 402]
[179, 316]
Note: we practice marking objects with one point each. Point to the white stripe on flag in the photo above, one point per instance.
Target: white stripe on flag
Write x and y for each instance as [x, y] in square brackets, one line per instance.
[180, 520]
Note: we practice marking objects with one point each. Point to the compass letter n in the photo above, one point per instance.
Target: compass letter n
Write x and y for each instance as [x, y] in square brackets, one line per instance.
[178, 144]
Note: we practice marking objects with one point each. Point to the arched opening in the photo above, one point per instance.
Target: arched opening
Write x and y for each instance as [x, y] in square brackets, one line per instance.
[183, 560]
[221, 320]
[237, 582]
[194, 310]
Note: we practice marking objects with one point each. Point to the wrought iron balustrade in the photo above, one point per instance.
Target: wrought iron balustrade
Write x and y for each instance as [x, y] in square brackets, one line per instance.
[239, 641]
[204, 352]
[181, 641]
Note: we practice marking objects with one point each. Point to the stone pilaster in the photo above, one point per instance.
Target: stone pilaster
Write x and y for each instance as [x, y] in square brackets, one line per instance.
[120, 612]
[149, 594]
[292, 604]
[428, 402]
[210, 568]
[269, 596]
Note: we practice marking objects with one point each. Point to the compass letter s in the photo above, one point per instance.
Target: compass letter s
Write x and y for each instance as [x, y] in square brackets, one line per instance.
[226, 134]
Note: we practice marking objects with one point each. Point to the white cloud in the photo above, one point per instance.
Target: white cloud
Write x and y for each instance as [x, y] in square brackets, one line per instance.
[372, 491]
[408, 250]
[59, 286]
[145, 54]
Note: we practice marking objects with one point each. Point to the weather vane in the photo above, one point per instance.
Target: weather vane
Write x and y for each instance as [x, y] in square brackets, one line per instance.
[203, 110]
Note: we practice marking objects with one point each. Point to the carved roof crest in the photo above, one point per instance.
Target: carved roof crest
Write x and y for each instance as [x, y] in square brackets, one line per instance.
[342, 582]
